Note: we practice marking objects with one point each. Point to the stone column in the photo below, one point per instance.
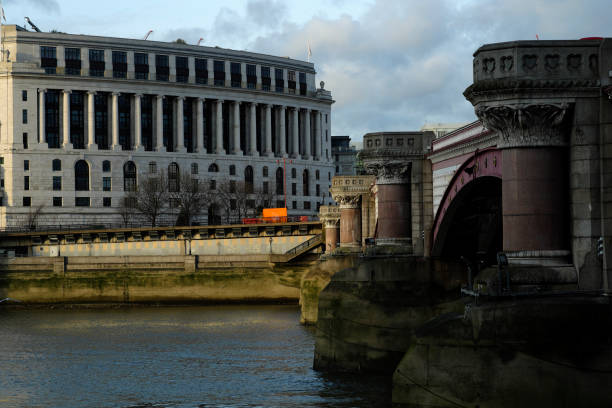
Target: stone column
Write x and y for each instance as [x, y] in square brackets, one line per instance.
[66, 119]
[236, 129]
[253, 130]
[295, 133]
[330, 216]
[268, 152]
[138, 122]
[307, 151]
[180, 123]
[317, 135]
[219, 127]
[350, 220]
[534, 178]
[201, 147]
[115, 121]
[42, 134]
[282, 137]
[91, 121]
[159, 123]
[393, 198]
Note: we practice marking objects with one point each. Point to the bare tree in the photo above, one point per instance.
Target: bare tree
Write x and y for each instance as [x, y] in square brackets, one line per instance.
[264, 198]
[152, 195]
[190, 199]
[127, 208]
[32, 218]
[237, 199]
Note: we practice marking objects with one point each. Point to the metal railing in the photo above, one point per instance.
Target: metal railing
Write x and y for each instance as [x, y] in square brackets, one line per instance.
[312, 241]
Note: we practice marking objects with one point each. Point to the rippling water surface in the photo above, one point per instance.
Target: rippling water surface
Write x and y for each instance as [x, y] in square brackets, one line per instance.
[230, 356]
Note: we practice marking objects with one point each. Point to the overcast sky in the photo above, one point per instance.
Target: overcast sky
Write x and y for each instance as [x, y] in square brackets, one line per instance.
[390, 64]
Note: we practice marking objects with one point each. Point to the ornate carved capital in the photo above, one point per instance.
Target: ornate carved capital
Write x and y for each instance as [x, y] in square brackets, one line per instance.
[332, 223]
[347, 201]
[389, 171]
[527, 125]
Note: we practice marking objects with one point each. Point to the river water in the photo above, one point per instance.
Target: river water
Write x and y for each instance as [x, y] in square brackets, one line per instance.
[171, 357]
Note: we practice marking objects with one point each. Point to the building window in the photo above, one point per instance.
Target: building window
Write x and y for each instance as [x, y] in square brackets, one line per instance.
[129, 176]
[24, 96]
[328, 176]
[27, 201]
[81, 176]
[294, 205]
[318, 188]
[194, 168]
[72, 56]
[232, 186]
[291, 81]
[57, 201]
[81, 201]
[162, 67]
[57, 183]
[293, 173]
[119, 64]
[248, 180]
[173, 177]
[152, 167]
[232, 204]
[24, 116]
[201, 71]
[26, 182]
[266, 81]
[280, 182]
[293, 189]
[265, 187]
[212, 185]
[106, 166]
[307, 205]
[235, 70]
[26, 165]
[306, 183]
[213, 168]
[106, 201]
[232, 170]
[303, 85]
[219, 67]
[96, 63]
[280, 82]
[251, 71]
[182, 69]
[48, 59]
[56, 165]
[25, 140]
[106, 184]
[265, 171]
[141, 65]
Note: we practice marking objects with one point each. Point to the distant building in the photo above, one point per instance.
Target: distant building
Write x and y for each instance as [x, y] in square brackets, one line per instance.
[440, 129]
[344, 155]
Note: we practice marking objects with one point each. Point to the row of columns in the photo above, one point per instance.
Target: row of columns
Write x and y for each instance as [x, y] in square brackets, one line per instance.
[199, 147]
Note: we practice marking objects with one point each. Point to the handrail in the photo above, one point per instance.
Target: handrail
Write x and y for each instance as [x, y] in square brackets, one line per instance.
[304, 244]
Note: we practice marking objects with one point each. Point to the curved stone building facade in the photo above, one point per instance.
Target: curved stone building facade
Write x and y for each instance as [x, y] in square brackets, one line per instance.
[84, 118]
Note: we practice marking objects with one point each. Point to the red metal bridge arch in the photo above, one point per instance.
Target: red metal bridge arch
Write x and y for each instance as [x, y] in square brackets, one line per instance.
[483, 163]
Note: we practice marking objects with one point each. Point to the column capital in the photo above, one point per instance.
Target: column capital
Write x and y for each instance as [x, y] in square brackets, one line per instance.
[254, 104]
[179, 98]
[388, 171]
[237, 102]
[42, 90]
[91, 92]
[347, 201]
[66, 91]
[527, 125]
[138, 95]
[160, 96]
[116, 93]
[220, 100]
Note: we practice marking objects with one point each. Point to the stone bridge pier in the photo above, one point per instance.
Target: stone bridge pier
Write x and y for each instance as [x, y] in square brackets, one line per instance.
[330, 217]
[353, 195]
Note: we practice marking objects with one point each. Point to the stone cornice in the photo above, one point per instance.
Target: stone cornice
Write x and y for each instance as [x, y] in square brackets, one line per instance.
[513, 85]
[527, 125]
[488, 140]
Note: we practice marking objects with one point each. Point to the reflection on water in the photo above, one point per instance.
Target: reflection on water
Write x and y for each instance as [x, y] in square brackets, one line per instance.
[227, 356]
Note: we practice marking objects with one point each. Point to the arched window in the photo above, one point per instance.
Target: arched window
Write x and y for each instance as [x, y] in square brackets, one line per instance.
[293, 173]
[279, 181]
[81, 176]
[213, 168]
[265, 171]
[129, 176]
[194, 168]
[232, 170]
[248, 180]
[56, 165]
[173, 177]
[106, 166]
[305, 183]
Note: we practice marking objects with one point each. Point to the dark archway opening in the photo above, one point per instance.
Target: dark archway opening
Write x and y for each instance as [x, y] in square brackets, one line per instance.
[472, 225]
